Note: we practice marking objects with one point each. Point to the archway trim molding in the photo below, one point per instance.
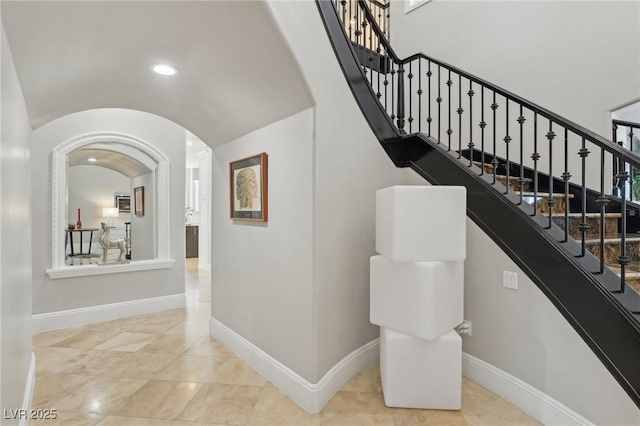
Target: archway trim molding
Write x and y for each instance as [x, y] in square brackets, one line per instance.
[59, 213]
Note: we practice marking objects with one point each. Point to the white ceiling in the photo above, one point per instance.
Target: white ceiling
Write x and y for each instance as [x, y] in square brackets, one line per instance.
[236, 72]
[122, 159]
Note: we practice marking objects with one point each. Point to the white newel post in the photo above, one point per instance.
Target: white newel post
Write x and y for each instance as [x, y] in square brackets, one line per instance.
[417, 294]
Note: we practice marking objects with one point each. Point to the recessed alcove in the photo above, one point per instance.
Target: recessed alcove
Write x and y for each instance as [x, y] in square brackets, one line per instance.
[139, 161]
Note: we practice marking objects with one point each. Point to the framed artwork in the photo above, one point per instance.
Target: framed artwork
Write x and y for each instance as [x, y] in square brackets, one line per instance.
[248, 188]
[123, 203]
[138, 199]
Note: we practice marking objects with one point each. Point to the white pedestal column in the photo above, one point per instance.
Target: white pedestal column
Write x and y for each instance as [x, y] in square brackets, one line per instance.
[417, 294]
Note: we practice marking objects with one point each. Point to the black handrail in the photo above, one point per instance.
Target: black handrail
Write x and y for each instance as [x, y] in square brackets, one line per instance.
[626, 123]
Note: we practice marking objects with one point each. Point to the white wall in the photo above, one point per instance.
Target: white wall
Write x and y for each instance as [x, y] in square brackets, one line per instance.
[63, 294]
[90, 189]
[349, 166]
[522, 333]
[143, 228]
[15, 238]
[262, 273]
[204, 215]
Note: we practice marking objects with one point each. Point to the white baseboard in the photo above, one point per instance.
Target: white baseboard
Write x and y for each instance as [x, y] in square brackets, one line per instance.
[538, 405]
[28, 392]
[310, 396]
[91, 314]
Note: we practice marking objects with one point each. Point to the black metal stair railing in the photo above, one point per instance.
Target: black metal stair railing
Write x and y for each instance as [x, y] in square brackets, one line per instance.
[423, 94]
[629, 129]
[455, 128]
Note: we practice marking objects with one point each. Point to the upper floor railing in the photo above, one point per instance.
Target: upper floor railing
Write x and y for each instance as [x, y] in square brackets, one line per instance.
[630, 130]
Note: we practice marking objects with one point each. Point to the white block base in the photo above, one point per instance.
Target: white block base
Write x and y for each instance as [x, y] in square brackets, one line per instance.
[417, 373]
[421, 299]
[421, 223]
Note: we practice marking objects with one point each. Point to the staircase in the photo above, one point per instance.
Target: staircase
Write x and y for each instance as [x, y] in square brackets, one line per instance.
[564, 213]
[550, 193]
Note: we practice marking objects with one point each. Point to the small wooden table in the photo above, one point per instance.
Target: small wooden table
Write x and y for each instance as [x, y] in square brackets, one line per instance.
[68, 237]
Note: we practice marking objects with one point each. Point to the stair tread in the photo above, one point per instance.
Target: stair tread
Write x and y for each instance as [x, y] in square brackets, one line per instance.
[587, 215]
[543, 194]
[513, 177]
[611, 239]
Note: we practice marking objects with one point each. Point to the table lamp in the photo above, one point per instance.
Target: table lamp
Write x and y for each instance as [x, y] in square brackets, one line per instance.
[110, 213]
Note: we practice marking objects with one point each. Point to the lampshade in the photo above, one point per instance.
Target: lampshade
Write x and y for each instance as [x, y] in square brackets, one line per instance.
[110, 212]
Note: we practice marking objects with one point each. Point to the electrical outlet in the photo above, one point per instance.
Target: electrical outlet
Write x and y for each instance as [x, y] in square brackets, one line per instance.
[464, 328]
[510, 280]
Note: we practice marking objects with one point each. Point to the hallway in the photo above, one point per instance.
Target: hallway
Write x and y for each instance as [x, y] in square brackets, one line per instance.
[163, 369]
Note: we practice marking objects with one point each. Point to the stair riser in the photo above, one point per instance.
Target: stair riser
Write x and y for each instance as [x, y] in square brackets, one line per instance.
[488, 168]
[610, 224]
[612, 251]
[558, 207]
[513, 183]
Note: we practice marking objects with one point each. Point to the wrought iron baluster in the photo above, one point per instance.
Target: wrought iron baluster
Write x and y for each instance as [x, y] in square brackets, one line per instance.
[393, 90]
[429, 119]
[371, 50]
[584, 226]
[632, 170]
[410, 77]
[566, 176]
[366, 51]
[471, 145]
[351, 21]
[357, 26]
[459, 111]
[550, 201]
[385, 84]
[602, 200]
[614, 169]
[521, 179]
[623, 259]
[507, 141]
[388, 20]
[449, 131]
[439, 101]
[535, 157]
[482, 125]
[494, 161]
[420, 94]
[379, 52]
[400, 107]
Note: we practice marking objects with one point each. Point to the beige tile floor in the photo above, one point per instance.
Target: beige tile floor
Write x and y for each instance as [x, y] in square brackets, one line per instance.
[163, 369]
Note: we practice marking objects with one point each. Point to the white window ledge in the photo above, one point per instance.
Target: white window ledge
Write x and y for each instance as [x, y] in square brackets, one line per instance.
[410, 5]
[85, 270]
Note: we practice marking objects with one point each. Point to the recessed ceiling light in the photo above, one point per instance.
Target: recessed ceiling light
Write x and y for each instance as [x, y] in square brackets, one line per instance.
[164, 69]
[92, 159]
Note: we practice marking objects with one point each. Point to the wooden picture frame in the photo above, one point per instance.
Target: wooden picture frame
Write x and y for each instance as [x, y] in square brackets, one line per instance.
[248, 193]
[123, 203]
[138, 198]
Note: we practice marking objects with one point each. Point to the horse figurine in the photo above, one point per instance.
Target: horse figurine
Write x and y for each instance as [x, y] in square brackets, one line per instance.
[107, 243]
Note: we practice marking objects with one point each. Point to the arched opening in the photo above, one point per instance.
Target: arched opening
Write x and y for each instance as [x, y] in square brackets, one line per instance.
[146, 167]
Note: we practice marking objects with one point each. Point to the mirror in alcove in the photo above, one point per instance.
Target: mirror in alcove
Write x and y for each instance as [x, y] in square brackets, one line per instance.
[102, 180]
